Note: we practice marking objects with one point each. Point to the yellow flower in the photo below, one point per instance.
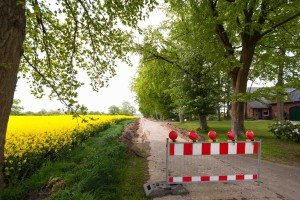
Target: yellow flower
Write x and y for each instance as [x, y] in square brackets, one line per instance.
[31, 136]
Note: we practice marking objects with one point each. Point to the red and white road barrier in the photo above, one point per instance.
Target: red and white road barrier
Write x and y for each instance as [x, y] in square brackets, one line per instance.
[215, 148]
[190, 179]
[182, 149]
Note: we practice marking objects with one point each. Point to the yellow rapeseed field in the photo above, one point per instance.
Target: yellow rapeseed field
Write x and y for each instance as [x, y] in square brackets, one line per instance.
[31, 138]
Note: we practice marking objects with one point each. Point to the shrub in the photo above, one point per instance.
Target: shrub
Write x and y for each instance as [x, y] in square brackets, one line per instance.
[212, 117]
[296, 134]
[286, 130]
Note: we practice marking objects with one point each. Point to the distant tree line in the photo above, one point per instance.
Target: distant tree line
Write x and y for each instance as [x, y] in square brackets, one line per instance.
[18, 109]
[125, 109]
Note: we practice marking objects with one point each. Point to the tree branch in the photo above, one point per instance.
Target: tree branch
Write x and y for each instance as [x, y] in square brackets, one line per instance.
[44, 31]
[220, 30]
[159, 57]
[48, 82]
[58, 94]
[262, 15]
[74, 50]
[274, 47]
[280, 24]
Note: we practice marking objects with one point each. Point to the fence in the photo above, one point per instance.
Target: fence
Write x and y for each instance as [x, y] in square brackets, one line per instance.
[212, 161]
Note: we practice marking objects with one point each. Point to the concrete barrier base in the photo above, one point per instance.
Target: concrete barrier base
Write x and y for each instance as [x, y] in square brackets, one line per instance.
[162, 189]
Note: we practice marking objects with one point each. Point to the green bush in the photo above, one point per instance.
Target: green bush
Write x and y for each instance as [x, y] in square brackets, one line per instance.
[212, 117]
[286, 130]
[295, 135]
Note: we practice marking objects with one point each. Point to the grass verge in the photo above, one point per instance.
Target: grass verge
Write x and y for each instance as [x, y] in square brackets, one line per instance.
[97, 169]
[275, 150]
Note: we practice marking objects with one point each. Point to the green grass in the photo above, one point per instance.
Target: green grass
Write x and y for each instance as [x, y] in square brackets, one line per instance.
[97, 169]
[275, 150]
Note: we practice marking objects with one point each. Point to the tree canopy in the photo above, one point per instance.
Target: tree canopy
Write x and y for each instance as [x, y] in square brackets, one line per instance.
[232, 35]
[173, 76]
[64, 38]
[56, 40]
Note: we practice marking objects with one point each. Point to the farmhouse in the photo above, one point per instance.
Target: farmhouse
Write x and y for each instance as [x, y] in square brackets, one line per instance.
[266, 109]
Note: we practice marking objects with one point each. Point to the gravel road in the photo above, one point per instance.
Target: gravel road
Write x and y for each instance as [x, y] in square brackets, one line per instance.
[278, 181]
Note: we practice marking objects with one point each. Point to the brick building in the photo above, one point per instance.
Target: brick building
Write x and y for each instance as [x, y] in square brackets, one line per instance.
[268, 110]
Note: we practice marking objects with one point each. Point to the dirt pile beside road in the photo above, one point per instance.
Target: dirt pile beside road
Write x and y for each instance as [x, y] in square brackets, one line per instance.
[183, 133]
[136, 140]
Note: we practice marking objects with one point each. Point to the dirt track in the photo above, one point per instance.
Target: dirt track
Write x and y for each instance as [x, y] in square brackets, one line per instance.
[278, 181]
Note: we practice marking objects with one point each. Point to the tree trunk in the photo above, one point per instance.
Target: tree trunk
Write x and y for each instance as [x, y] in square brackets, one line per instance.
[228, 107]
[280, 112]
[203, 122]
[227, 102]
[237, 118]
[12, 34]
[219, 113]
[219, 104]
[246, 110]
[239, 78]
[181, 117]
[280, 103]
[239, 81]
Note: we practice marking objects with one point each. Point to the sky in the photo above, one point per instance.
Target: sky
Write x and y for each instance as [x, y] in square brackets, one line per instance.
[117, 91]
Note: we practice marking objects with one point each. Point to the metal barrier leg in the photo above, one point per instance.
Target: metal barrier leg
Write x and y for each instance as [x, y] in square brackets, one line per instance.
[259, 163]
[167, 161]
[164, 188]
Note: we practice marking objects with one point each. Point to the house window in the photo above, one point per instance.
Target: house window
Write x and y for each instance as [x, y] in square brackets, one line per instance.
[266, 113]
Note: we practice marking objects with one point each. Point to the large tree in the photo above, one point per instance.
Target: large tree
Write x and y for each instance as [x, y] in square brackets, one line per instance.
[63, 38]
[150, 87]
[173, 67]
[230, 31]
[113, 110]
[127, 109]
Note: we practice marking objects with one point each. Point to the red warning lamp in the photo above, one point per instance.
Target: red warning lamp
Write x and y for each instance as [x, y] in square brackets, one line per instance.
[212, 135]
[193, 136]
[173, 135]
[230, 135]
[250, 135]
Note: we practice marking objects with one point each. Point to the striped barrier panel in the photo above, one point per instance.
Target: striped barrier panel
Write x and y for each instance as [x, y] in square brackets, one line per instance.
[216, 148]
[186, 149]
[191, 179]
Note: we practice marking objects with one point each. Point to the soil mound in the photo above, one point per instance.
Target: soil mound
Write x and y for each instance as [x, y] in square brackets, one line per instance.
[136, 140]
[183, 133]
